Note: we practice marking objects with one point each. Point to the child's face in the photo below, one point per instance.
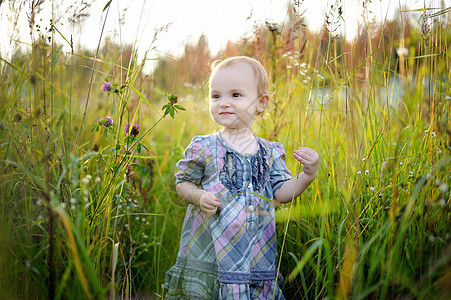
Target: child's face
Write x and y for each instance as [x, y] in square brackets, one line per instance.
[234, 101]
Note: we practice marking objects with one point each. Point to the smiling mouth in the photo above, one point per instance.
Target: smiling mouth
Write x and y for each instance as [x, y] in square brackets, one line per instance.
[225, 113]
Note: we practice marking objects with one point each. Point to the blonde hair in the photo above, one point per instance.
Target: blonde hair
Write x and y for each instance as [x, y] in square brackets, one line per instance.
[257, 67]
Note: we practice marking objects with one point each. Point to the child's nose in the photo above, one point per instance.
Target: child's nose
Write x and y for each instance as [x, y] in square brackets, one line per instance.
[224, 103]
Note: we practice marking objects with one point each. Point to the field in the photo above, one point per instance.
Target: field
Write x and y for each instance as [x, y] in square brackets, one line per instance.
[88, 208]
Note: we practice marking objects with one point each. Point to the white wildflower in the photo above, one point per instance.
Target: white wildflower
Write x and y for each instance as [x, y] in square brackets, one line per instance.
[401, 163]
[431, 238]
[442, 202]
[367, 172]
[432, 134]
[443, 187]
[97, 180]
[358, 172]
[85, 180]
[73, 200]
[372, 188]
[363, 159]
[410, 173]
[437, 182]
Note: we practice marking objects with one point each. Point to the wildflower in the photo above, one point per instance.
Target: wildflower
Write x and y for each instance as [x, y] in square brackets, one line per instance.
[134, 131]
[443, 187]
[410, 173]
[367, 172]
[358, 172]
[97, 180]
[107, 121]
[73, 200]
[85, 180]
[372, 188]
[432, 134]
[363, 159]
[106, 86]
[447, 98]
[173, 99]
[431, 238]
[426, 131]
[437, 182]
[442, 202]
[401, 163]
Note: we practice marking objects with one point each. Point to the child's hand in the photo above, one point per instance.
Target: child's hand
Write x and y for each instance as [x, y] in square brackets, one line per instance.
[309, 159]
[209, 203]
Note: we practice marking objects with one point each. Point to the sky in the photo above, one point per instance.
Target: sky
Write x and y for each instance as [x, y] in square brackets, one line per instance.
[130, 21]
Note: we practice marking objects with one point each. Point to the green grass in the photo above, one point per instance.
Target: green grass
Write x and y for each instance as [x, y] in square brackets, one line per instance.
[97, 216]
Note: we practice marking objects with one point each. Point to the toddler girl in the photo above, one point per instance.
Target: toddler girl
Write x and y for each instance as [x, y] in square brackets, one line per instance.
[228, 243]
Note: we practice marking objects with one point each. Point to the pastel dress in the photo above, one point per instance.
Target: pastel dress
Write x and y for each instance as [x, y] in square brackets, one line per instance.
[233, 253]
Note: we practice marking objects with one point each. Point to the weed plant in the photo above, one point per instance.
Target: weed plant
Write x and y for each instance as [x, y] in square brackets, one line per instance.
[88, 206]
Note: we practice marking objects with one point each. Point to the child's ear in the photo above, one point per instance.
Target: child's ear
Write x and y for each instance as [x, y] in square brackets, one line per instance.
[262, 103]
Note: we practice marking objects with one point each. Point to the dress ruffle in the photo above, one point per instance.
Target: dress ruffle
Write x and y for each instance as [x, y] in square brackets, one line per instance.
[184, 283]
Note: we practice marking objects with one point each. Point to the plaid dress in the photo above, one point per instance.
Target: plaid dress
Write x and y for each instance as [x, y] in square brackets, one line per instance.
[232, 254]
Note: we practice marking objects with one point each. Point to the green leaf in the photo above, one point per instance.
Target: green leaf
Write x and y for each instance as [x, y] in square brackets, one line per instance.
[107, 5]
[171, 111]
[144, 147]
[56, 54]
[138, 148]
[179, 107]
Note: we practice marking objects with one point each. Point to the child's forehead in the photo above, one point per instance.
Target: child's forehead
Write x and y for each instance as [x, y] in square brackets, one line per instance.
[237, 71]
[236, 66]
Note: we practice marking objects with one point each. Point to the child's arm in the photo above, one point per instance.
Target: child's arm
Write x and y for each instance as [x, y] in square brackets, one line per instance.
[297, 185]
[191, 193]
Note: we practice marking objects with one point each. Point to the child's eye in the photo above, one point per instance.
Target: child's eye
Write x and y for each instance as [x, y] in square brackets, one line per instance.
[236, 95]
[215, 97]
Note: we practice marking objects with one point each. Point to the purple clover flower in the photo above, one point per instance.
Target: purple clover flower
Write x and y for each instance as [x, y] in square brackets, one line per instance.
[133, 131]
[107, 121]
[106, 86]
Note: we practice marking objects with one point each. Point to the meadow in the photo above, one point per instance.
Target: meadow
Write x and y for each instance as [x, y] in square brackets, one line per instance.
[88, 208]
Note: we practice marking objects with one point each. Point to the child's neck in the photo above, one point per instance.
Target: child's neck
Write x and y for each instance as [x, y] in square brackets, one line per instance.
[241, 140]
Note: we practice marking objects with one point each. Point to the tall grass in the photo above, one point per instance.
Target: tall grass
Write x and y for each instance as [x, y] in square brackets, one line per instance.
[96, 216]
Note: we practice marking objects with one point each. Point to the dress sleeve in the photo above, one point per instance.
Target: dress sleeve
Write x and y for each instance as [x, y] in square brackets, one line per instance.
[191, 168]
[279, 171]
